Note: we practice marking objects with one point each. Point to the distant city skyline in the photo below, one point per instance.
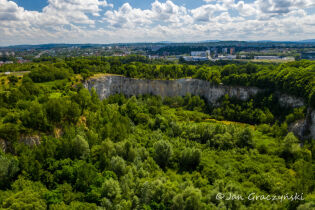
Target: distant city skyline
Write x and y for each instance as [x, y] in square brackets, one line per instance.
[118, 21]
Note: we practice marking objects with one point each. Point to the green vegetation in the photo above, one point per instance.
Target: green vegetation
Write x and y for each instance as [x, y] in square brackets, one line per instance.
[145, 152]
[296, 78]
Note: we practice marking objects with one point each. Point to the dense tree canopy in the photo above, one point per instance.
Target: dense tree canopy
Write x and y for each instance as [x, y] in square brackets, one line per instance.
[63, 148]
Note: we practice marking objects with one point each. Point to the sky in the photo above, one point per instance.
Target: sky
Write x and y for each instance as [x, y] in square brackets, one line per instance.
[124, 21]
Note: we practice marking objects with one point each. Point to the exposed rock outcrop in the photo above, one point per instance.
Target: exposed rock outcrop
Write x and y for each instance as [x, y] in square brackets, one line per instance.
[3, 145]
[310, 122]
[30, 140]
[289, 101]
[305, 128]
[109, 85]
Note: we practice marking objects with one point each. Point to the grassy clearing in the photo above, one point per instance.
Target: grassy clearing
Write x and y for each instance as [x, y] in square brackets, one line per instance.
[55, 95]
[53, 83]
[95, 76]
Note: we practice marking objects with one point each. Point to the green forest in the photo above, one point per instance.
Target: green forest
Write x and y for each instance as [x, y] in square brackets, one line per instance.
[61, 147]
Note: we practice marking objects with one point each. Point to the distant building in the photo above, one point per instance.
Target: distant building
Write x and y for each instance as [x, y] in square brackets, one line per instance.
[232, 51]
[224, 50]
[227, 57]
[198, 53]
[267, 58]
[195, 58]
[308, 55]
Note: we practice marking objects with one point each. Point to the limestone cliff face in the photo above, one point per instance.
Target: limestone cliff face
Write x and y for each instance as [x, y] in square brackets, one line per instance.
[109, 85]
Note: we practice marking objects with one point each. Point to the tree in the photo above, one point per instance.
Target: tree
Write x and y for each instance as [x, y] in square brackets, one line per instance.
[83, 98]
[307, 206]
[190, 199]
[110, 189]
[35, 117]
[13, 79]
[74, 205]
[162, 153]
[190, 159]
[80, 147]
[223, 141]
[10, 132]
[25, 199]
[95, 98]
[26, 195]
[118, 165]
[9, 167]
[55, 110]
[245, 139]
[73, 111]
[289, 141]
[289, 146]
[85, 176]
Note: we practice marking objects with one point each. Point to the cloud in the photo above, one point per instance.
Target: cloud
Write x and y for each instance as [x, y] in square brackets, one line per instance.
[245, 9]
[10, 11]
[75, 10]
[206, 12]
[160, 13]
[96, 21]
[168, 11]
[279, 7]
[126, 16]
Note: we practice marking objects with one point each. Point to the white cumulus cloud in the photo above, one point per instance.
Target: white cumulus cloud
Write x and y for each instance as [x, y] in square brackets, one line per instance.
[96, 21]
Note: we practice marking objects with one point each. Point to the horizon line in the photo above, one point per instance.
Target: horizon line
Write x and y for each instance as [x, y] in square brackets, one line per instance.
[160, 42]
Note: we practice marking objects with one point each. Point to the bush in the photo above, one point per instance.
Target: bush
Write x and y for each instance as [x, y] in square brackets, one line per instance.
[162, 153]
[245, 139]
[190, 159]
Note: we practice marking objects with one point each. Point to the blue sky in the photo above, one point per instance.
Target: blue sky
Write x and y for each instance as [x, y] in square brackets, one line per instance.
[32, 4]
[101, 21]
[143, 4]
